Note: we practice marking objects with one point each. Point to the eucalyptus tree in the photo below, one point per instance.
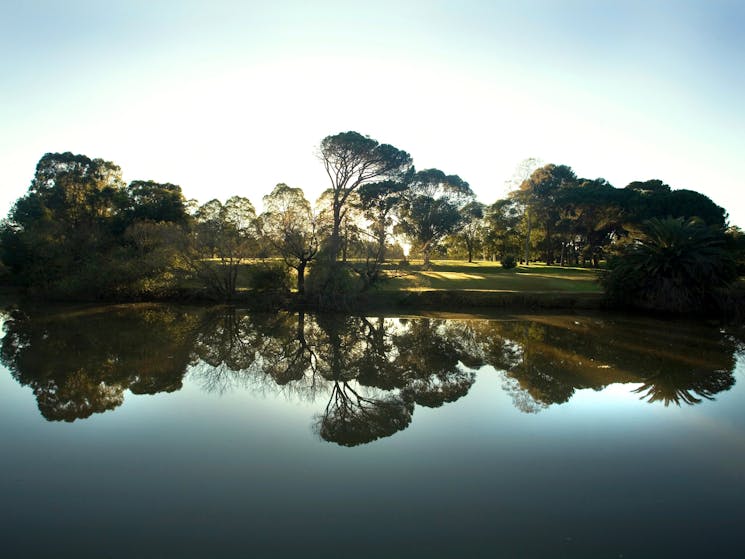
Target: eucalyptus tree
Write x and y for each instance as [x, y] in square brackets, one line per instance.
[352, 160]
[379, 201]
[471, 230]
[504, 228]
[432, 209]
[291, 228]
[227, 233]
[152, 201]
[539, 194]
[55, 234]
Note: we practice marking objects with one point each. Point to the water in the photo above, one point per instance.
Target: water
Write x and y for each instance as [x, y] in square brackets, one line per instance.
[155, 431]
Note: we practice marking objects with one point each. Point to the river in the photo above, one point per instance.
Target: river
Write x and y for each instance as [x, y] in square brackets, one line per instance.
[174, 431]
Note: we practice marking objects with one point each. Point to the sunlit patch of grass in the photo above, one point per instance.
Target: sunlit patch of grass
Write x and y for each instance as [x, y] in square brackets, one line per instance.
[490, 276]
[456, 276]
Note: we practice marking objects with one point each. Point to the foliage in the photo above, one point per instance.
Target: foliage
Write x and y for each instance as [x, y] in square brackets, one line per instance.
[289, 225]
[431, 209]
[222, 237]
[509, 262]
[352, 160]
[79, 232]
[268, 277]
[331, 285]
[672, 265]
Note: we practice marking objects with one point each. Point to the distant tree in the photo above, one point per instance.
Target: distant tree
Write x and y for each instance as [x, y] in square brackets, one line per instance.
[653, 199]
[470, 232]
[432, 208]
[351, 160]
[503, 231]
[152, 201]
[227, 232]
[539, 194]
[592, 215]
[379, 201]
[290, 226]
[522, 173]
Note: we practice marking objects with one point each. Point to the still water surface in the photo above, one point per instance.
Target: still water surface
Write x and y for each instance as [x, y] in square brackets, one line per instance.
[159, 431]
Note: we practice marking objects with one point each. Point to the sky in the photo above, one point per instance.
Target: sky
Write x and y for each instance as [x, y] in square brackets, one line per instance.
[230, 98]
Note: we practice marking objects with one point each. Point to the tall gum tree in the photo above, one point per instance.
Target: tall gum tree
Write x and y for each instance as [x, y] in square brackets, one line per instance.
[291, 227]
[352, 160]
[433, 209]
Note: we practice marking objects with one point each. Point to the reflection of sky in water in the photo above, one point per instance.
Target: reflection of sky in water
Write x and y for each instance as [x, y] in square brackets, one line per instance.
[241, 472]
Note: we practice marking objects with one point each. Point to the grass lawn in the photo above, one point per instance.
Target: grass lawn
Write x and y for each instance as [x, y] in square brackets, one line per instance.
[456, 275]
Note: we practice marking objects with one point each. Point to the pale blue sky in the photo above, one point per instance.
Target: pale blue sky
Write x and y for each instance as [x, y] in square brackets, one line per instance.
[230, 98]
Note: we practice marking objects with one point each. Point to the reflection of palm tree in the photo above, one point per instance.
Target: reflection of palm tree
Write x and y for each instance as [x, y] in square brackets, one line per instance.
[351, 419]
[684, 386]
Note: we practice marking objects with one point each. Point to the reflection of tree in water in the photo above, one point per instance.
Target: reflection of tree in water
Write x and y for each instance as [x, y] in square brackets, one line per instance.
[351, 419]
[80, 362]
[373, 371]
[429, 361]
[78, 396]
[675, 362]
[684, 386]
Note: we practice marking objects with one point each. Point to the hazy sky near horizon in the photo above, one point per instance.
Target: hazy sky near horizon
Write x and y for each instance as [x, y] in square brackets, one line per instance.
[229, 97]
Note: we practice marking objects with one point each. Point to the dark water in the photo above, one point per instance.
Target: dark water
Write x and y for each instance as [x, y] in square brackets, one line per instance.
[155, 431]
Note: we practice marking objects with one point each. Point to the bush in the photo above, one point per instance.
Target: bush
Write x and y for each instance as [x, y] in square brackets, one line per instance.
[269, 277]
[332, 285]
[509, 262]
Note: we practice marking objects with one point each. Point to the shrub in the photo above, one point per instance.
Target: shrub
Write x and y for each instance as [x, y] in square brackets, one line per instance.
[509, 262]
[331, 285]
[269, 277]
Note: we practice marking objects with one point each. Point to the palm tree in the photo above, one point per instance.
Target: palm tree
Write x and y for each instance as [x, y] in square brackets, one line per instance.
[673, 265]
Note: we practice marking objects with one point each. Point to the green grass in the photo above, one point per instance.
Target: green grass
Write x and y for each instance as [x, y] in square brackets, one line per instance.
[453, 275]
[457, 275]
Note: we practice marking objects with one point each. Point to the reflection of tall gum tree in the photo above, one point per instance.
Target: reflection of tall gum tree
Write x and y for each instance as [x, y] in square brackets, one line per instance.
[351, 160]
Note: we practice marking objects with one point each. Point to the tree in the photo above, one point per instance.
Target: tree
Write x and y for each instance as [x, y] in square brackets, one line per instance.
[539, 193]
[522, 173]
[227, 232]
[351, 160]
[152, 201]
[470, 232]
[378, 201]
[672, 265]
[431, 209]
[503, 231]
[593, 215]
[290, 226]
[653, 199]
[55, 234]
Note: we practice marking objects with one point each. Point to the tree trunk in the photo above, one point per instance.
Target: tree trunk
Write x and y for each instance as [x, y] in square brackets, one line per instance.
[334, 240]
[527, 238]
[301, 278]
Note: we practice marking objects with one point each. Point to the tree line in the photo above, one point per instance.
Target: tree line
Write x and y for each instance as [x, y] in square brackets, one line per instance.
[80, 230]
